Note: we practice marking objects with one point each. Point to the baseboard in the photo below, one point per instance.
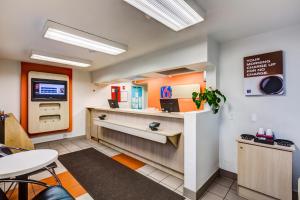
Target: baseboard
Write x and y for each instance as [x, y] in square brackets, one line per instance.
[208, 183]
[220, 172]
[228, 174]
[48, 138]
[54, 137]
[189, 194]
[196, 195]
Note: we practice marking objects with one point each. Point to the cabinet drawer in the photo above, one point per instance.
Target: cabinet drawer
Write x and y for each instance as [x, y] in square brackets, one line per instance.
[265, 170]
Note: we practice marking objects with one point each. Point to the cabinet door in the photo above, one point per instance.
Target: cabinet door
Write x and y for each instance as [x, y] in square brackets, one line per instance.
[94, 131]
[265, 170]
[94, 128]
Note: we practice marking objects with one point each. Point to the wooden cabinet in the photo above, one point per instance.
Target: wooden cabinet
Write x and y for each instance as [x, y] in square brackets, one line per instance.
[91, 128]
[264, 172]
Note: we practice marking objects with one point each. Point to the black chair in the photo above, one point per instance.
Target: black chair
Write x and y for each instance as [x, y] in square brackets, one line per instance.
[54, 193]
[2, 195]
[50, 193]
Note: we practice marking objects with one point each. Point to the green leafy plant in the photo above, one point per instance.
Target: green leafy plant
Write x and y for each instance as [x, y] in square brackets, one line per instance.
[212, 97]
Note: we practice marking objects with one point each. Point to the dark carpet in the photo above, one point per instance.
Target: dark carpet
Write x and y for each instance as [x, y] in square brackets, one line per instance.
[106, 179]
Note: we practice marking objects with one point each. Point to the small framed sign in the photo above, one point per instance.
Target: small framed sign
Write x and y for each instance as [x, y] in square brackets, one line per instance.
[124, 96]
[263, 74]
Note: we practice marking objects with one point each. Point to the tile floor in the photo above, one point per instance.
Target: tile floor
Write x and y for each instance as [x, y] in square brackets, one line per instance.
[222, 188]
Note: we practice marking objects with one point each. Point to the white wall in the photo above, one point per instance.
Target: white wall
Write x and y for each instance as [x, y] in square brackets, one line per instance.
[83, 96]
[280, 113]
[201, 149]
[10, 72]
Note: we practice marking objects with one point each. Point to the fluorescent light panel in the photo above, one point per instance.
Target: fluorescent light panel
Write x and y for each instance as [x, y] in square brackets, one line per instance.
[176, 14]
[59, 59]
[79, 38]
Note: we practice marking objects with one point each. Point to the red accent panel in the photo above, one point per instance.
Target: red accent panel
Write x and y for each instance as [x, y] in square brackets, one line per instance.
[25, 69]
[116, 93]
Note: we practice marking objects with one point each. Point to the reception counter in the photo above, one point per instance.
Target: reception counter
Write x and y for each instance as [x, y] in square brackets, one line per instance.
[186, 145]
[128, 130]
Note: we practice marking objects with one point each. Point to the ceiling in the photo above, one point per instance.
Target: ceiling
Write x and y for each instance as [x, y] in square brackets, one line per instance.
[22, 22]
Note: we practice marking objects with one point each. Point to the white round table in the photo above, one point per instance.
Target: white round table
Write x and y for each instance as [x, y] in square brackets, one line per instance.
[20, 164]
[25, 162]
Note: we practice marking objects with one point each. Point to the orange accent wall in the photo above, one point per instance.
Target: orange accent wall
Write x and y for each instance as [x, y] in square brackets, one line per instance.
[185, 105]
[25, 69]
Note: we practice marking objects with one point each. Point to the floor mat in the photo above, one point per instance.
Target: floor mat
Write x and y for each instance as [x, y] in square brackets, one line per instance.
[107, 179]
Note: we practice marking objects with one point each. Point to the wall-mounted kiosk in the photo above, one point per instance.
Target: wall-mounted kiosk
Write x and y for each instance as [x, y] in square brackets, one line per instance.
[48, 102]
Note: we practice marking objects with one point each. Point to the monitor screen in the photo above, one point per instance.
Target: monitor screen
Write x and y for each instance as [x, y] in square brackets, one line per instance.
[48, 90]
[169, 105]
[113, 103]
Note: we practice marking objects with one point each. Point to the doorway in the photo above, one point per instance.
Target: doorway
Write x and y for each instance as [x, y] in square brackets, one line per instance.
[137, 97]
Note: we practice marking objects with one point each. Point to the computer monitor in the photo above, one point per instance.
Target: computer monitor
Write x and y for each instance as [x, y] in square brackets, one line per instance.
[113, 103]
[169, 105]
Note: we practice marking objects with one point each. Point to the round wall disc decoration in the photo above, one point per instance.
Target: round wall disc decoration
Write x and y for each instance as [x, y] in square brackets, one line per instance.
[271, 85]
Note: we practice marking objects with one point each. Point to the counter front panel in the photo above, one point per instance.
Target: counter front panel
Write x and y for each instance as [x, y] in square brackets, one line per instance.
[130, 132]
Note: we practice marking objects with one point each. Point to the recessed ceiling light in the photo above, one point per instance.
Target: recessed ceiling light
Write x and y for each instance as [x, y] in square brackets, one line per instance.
[60, 59]
[176, 14]
[62, 33]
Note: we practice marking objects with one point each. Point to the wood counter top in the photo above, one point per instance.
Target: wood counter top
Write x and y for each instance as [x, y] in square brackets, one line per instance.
[275, 146]
[177, 115]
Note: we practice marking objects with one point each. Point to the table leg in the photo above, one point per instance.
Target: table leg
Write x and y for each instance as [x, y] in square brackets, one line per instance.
[23, 189]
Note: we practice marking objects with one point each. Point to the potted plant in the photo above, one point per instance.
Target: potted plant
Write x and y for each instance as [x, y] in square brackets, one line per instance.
[210, 96]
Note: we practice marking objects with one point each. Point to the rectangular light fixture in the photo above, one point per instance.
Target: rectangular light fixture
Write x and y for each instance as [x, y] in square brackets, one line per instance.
[69, 35]
[59, 59]
[176, 14]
